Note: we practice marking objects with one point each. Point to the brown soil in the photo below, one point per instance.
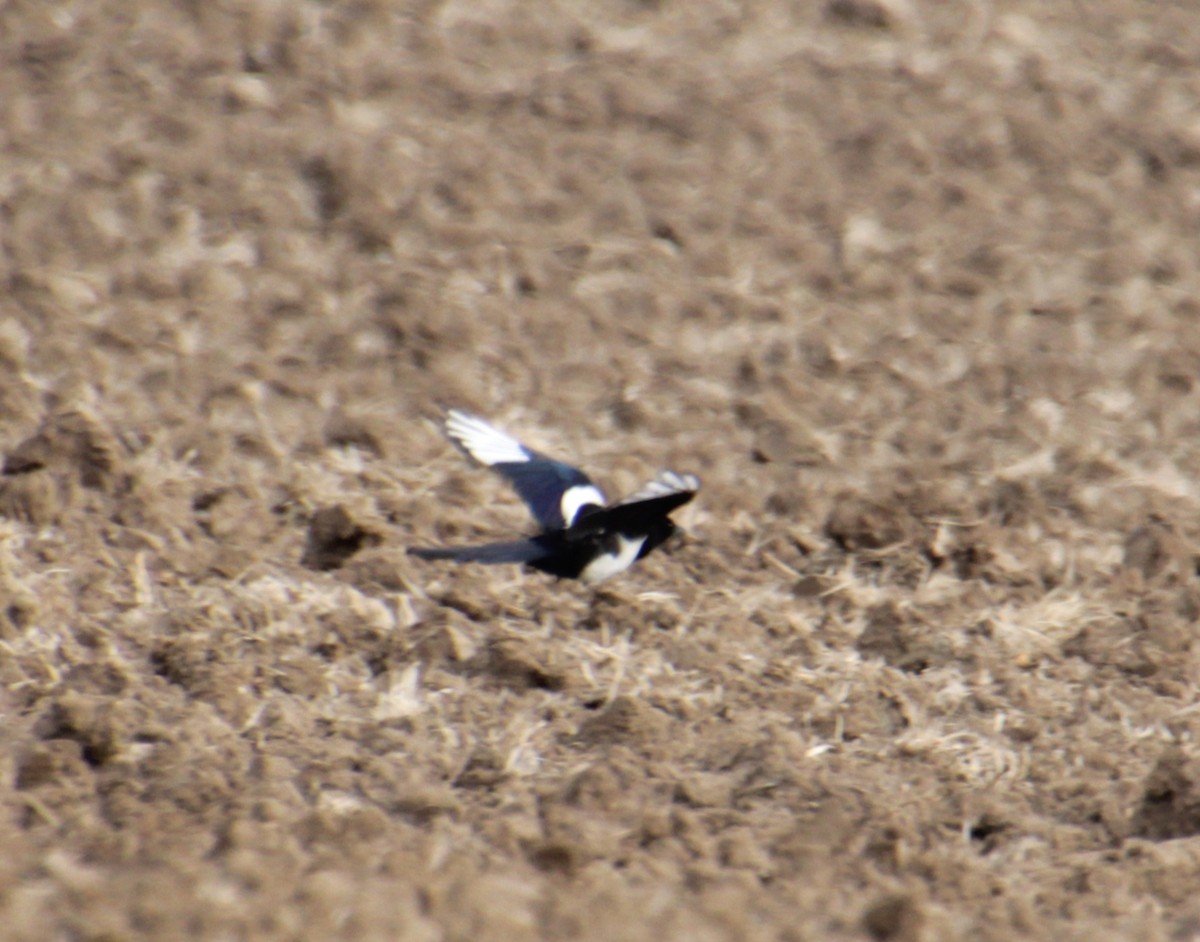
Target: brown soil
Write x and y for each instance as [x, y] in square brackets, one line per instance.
[912, 286]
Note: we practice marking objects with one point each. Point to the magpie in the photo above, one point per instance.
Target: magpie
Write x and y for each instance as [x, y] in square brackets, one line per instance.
[581, 536]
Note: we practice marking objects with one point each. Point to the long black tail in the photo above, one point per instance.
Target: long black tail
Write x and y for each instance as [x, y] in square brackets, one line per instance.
[518, 551]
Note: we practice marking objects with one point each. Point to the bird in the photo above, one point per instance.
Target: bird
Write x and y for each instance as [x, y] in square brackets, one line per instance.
[581, 535]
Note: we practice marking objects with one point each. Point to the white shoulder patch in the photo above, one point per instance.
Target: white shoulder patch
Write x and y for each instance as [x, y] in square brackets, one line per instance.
[576, 498]
[483, 442]
[668, 482]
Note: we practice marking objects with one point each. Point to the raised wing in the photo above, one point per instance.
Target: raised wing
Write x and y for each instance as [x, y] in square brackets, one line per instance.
[667, 483]
[641, 510]
[554, 491]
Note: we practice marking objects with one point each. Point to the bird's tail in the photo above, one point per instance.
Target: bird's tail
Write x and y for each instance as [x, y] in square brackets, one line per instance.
[518, 551]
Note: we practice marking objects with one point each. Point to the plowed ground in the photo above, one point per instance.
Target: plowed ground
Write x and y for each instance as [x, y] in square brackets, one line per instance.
[912, 287]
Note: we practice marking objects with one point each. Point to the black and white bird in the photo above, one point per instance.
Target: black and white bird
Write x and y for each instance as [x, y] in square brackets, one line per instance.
[582, 536]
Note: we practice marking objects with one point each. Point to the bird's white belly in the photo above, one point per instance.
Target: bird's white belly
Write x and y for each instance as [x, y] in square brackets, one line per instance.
[609, 564]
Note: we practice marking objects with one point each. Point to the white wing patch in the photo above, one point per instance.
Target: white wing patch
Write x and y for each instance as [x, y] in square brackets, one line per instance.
[668, 482]
[576, 498]
[483, 442]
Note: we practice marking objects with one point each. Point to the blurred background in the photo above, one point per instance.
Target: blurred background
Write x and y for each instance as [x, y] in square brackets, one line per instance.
[911, 286]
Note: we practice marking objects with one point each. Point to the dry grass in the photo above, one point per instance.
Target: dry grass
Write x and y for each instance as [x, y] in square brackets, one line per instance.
[911, 286]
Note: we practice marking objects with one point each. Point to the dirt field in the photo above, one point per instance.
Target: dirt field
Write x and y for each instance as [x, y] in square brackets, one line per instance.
[913, 287]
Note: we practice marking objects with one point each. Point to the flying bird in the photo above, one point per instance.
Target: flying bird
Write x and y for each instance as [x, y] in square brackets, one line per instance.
[582, 536]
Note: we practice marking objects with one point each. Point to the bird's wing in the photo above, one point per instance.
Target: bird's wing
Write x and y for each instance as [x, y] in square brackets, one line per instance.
[668, 483]
[518, 551]
[655, 500]
[554, 491]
